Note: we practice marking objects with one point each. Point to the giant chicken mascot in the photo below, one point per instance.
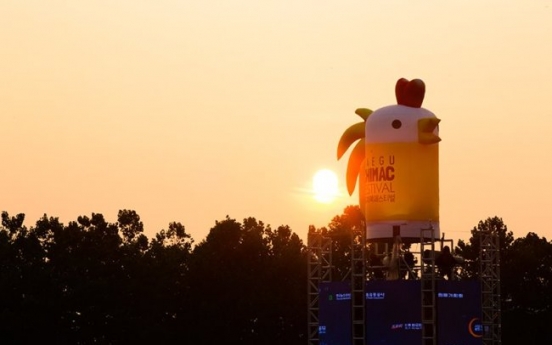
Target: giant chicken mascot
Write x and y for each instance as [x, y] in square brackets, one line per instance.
[396, 161]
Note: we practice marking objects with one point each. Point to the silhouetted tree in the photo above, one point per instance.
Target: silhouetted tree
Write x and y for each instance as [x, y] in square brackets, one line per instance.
[167, 286]
[92, 281]
[470, 250]
[248, 278]
[526, 281]
[340, 231]
[526, 278]
[24, 283]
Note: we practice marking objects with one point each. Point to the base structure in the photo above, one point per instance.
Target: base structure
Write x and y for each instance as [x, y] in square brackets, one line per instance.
[395, 293]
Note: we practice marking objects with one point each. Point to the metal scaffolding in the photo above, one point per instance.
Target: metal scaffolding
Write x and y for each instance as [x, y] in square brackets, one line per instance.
[429, 308]
[319, 270]
[489, 260]
[358, 285]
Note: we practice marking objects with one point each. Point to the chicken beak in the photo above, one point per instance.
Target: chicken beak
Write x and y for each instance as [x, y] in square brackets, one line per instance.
[426, 126]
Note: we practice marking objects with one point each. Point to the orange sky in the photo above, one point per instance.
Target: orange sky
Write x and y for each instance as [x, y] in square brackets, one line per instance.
[190, 111]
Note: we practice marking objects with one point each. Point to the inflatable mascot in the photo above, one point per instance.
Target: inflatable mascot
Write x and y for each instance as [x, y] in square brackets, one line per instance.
[396, 161]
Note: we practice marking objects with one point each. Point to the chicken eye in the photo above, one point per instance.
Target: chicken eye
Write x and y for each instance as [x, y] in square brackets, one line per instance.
[396, 124]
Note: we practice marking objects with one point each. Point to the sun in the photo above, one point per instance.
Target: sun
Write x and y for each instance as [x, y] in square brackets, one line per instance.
[324, 186]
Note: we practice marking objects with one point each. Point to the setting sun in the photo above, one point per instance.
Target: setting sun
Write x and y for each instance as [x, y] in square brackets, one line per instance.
[324, 186]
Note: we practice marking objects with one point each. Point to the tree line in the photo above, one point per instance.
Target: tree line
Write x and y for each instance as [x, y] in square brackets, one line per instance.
[95, 282]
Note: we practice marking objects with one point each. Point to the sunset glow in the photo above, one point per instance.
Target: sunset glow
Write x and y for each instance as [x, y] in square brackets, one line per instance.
[190, 111]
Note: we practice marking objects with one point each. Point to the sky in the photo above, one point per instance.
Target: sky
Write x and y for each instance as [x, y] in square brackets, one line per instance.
[190, 111]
